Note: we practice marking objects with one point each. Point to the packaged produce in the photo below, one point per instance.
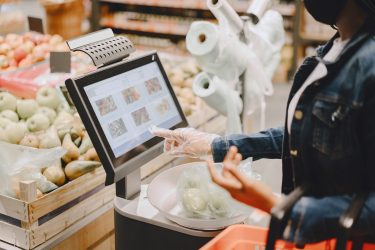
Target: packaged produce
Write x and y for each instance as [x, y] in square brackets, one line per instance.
[200, 198]
[20, 163]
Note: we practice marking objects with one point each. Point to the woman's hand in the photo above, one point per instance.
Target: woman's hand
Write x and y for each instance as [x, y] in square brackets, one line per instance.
[251, 192]
[185, 141]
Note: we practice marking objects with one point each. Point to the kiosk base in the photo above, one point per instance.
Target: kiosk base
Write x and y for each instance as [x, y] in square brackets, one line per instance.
[139, 226]
[136, 235]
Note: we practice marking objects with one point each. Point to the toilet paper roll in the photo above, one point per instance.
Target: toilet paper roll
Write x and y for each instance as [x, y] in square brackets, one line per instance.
[225, 14]
[218, 95]
[217, 52]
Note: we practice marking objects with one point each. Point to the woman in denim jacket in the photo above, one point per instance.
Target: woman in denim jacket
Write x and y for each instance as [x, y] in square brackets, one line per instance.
[328, 139]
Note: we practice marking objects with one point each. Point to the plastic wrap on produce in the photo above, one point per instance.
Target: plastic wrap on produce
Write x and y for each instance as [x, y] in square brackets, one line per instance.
[25, 82]
[217, 53]
[226, 15]
[20, 163]
[248, 63]
[200, 198]
[218, 95]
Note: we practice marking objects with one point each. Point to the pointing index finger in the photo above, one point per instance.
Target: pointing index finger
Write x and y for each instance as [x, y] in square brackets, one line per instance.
[161, 132]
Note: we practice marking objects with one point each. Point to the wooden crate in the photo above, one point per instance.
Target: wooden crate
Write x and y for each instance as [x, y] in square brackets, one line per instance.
[27, 224]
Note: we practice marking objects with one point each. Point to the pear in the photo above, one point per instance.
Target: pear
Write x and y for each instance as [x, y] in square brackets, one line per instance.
[86, 144]
[72, 150]
[30, 140]
[77, 168]
[55, 174]
[49, 139]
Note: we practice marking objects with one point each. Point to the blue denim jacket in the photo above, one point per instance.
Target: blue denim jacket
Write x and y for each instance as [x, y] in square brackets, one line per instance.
[332, 144]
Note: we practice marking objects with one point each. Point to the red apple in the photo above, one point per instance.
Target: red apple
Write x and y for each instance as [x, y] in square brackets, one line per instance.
[4, 63]
[10, 68]
[27, 61]
[55, 40]
[9, 38]
[28, 46]
[19, 54]
[44, 48]
[36, 38]
[27, 36]
[46, 38]
[38, 56]
[13, 63]
[16, 42]
[4, 48]
[10, 54]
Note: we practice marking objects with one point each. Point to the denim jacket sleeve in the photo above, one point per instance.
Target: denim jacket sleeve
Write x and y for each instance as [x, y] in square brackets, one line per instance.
[265, 144]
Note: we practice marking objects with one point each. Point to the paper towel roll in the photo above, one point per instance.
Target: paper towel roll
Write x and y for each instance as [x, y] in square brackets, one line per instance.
[226, 15]
[218, 95]
[217, 52]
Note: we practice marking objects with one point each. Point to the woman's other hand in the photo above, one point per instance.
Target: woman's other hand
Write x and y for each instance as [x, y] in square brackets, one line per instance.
[251, 192]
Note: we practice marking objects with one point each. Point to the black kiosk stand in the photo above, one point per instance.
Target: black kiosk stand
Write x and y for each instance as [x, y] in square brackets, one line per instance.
[117, 103]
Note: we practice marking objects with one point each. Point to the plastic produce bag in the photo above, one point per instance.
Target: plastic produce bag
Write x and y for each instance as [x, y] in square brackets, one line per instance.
[22, 163]
[200, 198]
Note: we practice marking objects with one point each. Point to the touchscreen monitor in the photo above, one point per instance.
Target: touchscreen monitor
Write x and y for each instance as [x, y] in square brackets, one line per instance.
[118, 104]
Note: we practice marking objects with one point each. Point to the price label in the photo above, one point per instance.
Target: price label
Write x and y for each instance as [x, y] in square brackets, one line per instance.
[60, 62]
[35, 24]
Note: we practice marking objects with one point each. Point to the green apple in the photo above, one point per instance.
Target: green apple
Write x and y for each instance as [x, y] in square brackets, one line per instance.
[37, 122]
[3, 136]
[7, 101]
[4, 122]
[23, 124]
[10, 115]
[15, 132]
[48, 97]
[63, 118]
[50, 113]
[194, 200]
[64, 106]
[26, 108]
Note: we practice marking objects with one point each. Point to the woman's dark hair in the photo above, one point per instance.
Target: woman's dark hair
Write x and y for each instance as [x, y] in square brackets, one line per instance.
[369, 6]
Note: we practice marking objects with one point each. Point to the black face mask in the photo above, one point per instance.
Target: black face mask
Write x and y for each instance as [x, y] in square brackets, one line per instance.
[325, 11]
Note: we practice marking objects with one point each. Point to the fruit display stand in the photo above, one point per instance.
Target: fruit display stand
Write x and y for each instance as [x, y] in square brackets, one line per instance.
[69, 210]
[29, 222]
[45, 222]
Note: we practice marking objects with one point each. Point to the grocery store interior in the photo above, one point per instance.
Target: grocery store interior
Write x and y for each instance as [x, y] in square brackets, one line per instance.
[113, 112]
